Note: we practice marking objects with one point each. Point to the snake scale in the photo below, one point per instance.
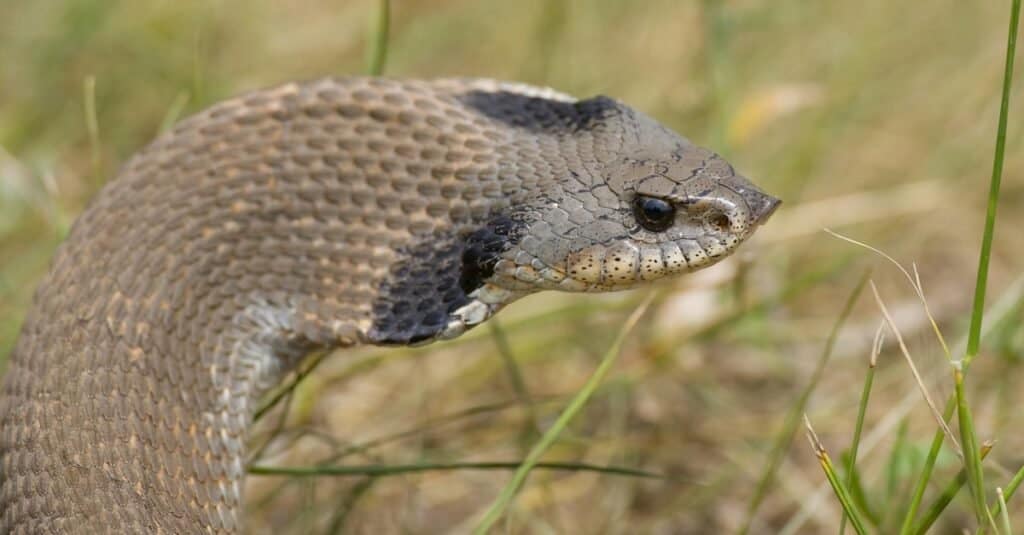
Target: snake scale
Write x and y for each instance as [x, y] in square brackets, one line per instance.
[312, 216]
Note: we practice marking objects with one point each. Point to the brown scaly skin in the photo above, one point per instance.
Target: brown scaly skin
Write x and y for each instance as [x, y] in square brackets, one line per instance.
[319, 215]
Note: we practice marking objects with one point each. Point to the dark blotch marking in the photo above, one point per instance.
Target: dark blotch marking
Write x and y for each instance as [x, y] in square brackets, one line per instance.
[422, 289]
[483, 248]
[434, 278]
[540, 114]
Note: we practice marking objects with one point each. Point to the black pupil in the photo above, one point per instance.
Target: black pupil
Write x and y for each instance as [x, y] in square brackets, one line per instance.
[654, 214]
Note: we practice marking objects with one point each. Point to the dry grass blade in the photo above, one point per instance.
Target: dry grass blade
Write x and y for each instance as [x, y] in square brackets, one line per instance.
[856, 208]
[913, 368]
[841, 491]
[914, 283]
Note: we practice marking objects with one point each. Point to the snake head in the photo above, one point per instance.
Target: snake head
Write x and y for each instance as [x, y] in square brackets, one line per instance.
[671, 215]
[636, 203]
[661, 207]
[652, 218]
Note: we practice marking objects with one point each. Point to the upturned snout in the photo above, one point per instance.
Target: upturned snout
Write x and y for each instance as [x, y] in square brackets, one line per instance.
[761, 205]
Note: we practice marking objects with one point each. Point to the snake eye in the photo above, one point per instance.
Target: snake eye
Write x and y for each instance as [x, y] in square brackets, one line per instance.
[653, 214]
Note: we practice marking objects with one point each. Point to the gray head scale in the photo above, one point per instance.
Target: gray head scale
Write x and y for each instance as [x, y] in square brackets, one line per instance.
[638, 203]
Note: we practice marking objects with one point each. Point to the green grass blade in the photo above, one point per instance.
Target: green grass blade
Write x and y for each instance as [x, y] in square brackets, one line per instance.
[1002, 311]
[422, 430]
[380, 470]
[1014, 483]
[974, 333]
[852, 480]
[1009, 490]
[972, 455]
[1004, 519]
[515, 377]
[345, 508]
[785, 437]
[173, 112]
[497, 508]
[840, 490]
[92, 123]
[926, 472]
[860, 498]
[307, 367]
[378, 52]
[933, 511]
[893, 471]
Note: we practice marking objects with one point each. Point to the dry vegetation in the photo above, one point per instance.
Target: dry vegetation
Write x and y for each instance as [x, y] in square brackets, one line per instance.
[875, 119]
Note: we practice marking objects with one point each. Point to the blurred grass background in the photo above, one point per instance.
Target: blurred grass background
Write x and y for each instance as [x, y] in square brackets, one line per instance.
[875, 119]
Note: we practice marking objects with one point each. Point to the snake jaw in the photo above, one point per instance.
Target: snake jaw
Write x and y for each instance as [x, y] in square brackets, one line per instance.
[485, 302]
[465, 318]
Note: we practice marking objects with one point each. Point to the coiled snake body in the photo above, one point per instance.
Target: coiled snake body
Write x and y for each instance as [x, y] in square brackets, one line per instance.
[319, 215]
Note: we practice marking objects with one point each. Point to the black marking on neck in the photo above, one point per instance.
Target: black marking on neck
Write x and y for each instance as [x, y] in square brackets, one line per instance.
[540, 115]
[415, 299]
[483, 247]
[435, 278]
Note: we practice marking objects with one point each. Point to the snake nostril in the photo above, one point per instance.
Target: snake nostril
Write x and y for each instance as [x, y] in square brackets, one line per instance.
[720, 222]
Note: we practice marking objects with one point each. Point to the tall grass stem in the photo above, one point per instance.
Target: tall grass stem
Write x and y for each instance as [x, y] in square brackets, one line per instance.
[378, 51]
[974, 332]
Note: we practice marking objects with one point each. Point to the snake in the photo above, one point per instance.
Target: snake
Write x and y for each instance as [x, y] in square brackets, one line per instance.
[311, 216]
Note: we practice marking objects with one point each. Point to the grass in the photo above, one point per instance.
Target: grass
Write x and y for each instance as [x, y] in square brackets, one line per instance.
[840, 488]
[881, 135]
[378, 53]
[547, 440]
[785, 438]
[971, 454]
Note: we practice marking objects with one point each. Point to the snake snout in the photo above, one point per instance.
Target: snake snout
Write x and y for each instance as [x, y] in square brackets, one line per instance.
[761, 205]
